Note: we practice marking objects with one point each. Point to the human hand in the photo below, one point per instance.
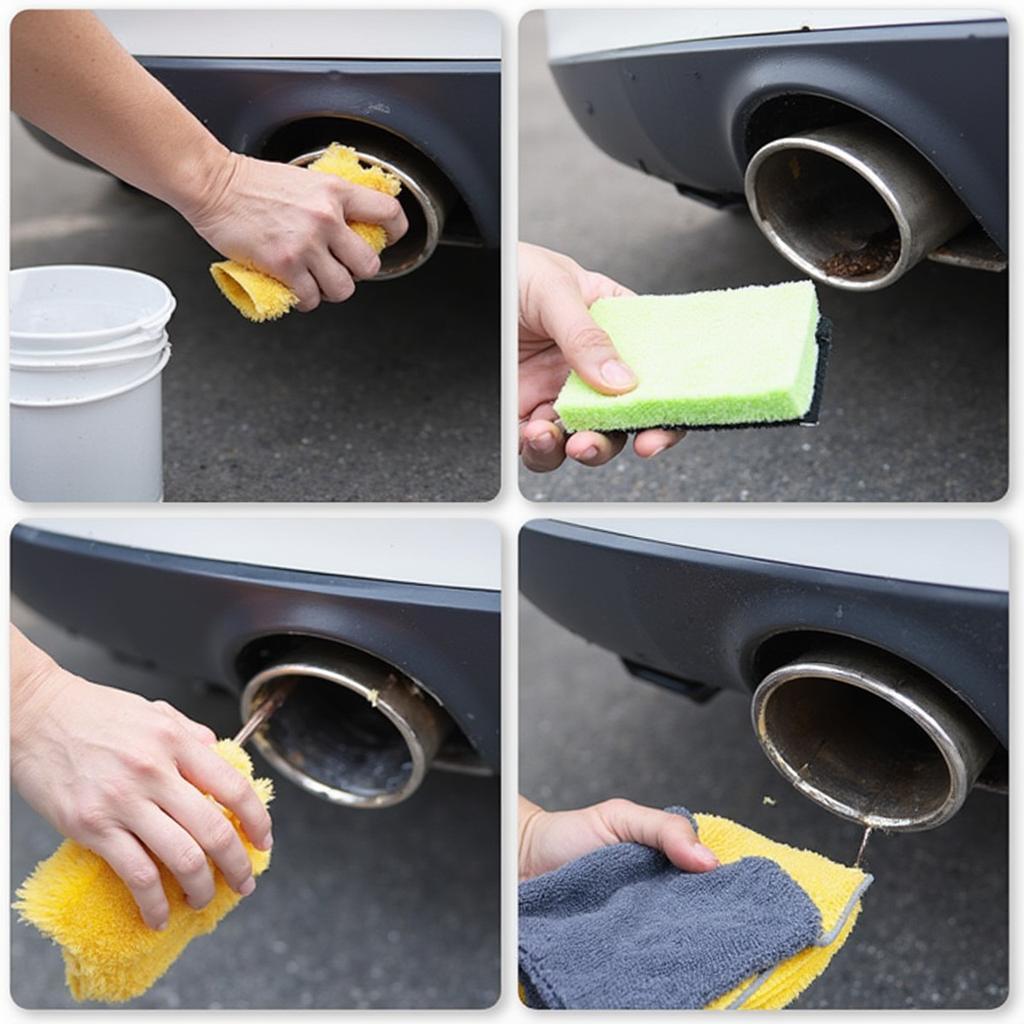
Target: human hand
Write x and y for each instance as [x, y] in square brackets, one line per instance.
[291, 224]
[556, 334]
[549, 839]
[126, 777]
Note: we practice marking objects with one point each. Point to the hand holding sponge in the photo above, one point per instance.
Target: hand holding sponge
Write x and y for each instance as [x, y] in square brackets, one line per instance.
[259, 297]
[110, 955]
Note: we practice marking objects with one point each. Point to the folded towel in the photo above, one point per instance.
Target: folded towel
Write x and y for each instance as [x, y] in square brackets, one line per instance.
[260, 297]
[74, 898]
[622, 928]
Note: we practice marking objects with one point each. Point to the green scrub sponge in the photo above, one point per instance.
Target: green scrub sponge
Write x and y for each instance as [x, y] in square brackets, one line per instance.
[736, 357]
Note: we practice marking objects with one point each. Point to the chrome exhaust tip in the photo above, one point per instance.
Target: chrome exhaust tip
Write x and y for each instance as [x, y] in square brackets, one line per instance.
[871, 739]
[353, 730]
[853, 206]
[425, 197]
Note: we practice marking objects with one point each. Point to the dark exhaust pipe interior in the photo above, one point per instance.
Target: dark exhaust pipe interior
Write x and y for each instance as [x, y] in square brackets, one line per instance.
[871, 738]
[352, 729]
[853, 205]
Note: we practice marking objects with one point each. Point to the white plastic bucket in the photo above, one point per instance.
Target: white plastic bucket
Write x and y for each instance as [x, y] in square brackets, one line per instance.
[138, 342]
[102, 447]
[86, 405]
[74, 381]
[79, 308]
[143, 347]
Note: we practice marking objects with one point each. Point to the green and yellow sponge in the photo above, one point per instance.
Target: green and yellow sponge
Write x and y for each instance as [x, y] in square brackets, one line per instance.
[735, 357]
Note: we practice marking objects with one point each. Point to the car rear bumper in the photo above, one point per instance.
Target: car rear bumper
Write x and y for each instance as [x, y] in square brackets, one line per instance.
[697, 620]
[197, 618]
[449, 110]
[694, 112]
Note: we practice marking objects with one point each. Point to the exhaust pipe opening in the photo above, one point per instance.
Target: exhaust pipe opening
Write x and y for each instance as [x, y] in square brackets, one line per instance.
[353, 730]
[426, 198]
[852, 205]
[871, 739]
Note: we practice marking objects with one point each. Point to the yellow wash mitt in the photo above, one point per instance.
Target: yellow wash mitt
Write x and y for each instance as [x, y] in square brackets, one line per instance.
[74, 898]
[260, 297]
[834, 889]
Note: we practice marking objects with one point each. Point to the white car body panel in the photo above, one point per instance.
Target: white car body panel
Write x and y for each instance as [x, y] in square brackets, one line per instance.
[437, 552]
[329, 34]
[572, 33]
[971, 553]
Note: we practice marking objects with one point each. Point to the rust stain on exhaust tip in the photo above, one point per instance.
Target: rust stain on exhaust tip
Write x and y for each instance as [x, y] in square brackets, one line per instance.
[879, 253]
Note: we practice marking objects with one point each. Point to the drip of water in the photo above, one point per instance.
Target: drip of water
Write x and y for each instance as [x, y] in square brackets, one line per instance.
[863, 846]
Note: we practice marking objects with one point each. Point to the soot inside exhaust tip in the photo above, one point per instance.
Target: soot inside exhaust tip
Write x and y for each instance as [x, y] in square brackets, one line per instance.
[337, 737]
[351, 728]
[828, 212]
[857, 747]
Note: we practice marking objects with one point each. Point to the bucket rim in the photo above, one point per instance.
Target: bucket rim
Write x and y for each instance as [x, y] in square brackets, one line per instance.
[164, 314]
[58, 403]
[122, 345]
[109, 359]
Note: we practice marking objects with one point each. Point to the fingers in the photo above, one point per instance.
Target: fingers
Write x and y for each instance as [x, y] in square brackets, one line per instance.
[600, 286]
[333, 280]
[178, 851]
[649, 443]
[135, 867]
[670, 833]
[594, 449]
[203, 733]
[586, 348]
[306, 290]
[208, 826]
[543, 445]
[349, 249]
[369, 206]
[212, 774]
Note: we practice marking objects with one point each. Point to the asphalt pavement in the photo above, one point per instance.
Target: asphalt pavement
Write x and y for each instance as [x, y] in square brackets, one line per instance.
[915, 405]
[396, 908]
[392, 396]
[934, 928]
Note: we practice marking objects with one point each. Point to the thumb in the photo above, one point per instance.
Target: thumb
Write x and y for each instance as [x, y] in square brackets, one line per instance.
[670, 833]
[586, 348]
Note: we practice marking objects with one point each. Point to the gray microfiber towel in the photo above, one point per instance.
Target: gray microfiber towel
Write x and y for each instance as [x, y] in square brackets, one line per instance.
[623, 928]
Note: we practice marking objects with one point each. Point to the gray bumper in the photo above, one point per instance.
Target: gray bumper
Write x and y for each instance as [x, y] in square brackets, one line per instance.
[693, 113]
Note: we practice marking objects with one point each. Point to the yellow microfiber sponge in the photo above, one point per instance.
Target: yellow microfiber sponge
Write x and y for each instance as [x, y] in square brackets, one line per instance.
[834, 888]
[74, 898]
[259, 297]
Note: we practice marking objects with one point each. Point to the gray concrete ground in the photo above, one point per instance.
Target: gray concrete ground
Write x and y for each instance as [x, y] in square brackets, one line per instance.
[388, 909]
[934, 928]
[392, 396]
[916, 399]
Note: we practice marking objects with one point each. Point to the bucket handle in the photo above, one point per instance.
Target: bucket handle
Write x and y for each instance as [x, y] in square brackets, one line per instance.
[112, 393]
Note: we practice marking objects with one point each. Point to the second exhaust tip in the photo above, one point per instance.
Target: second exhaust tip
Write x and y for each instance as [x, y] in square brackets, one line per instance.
[352, 730]
[870, 738]
[853, 206]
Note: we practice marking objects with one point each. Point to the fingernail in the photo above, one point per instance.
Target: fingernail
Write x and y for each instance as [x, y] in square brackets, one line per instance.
[267, 842]
[161, 927]
[617, 374]
[705, 856]
[542, 443]
[657, 451]
[247, 887]
[589, 455]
